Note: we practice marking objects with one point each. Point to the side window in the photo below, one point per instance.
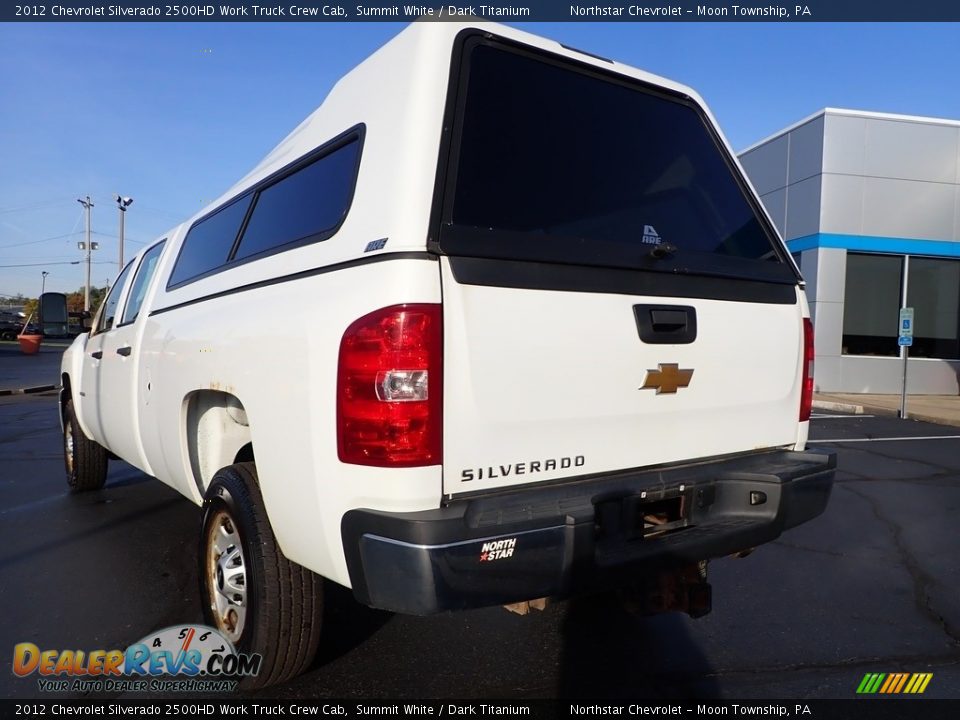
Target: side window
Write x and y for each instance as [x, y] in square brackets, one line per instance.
[208, 243]
[304, 204]
[141, 281]
[108, 310]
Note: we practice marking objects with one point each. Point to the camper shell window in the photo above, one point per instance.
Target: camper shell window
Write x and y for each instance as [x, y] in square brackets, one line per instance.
[208, 244]
[303, 202]
[306, 203]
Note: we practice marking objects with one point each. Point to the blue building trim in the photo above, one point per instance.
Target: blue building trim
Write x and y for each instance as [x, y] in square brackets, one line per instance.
[868, 243]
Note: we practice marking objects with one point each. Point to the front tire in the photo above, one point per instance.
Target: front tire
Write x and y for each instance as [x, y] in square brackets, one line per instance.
[85, 460]
[251, 593]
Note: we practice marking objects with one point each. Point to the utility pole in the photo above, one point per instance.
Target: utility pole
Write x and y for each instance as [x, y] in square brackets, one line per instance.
[122, 204]
[88, 246]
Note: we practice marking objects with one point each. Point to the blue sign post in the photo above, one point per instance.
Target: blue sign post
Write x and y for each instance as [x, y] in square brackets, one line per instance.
[905, 340]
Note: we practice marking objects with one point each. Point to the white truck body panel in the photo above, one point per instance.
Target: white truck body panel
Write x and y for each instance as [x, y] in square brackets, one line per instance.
[267, 332]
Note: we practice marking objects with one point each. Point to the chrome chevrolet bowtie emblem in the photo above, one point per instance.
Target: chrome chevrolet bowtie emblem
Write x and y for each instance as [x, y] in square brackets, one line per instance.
[667, 378]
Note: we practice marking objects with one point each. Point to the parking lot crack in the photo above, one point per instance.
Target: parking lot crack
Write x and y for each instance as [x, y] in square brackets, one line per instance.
[804, 548]
[921, 580]
[872, 450]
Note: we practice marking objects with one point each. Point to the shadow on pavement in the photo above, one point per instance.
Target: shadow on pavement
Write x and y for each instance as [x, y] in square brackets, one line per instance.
[346, 624]
[610, 653]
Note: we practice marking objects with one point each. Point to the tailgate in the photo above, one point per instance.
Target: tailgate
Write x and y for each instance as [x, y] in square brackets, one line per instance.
[614, 295]
[546, 384]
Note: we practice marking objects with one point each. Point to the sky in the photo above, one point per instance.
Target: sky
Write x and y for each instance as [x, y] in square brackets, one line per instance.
[172, 114]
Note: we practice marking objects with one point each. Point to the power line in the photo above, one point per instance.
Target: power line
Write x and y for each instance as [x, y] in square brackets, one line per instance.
[73, 231]
[115, 237]
[175, 215]
[37, 242]
[32, 206]
[44, 264]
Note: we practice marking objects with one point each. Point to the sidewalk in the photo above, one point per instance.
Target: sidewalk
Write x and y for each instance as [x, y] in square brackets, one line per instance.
[940, 409]
[21, 373]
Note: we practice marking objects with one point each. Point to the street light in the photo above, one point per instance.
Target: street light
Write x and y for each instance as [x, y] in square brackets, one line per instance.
[122, 204]
[43, 286]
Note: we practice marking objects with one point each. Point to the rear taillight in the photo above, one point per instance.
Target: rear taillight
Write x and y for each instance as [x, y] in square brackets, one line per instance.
[390, 388]
[806, 395]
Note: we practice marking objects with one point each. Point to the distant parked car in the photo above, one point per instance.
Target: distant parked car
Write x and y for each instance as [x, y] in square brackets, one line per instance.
[9, 330]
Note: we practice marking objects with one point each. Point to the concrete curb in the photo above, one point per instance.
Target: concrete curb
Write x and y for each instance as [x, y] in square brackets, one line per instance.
[888, 412]
[933, 419]
[29, 390]
[838, 406]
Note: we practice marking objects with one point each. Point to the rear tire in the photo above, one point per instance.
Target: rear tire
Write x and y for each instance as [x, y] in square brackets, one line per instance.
[85, 460]
[251, 593]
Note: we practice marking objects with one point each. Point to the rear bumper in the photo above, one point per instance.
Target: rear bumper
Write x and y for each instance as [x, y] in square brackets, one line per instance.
[580, 536]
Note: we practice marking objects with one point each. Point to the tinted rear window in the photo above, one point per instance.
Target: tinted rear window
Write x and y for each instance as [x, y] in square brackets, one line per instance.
[555, 162]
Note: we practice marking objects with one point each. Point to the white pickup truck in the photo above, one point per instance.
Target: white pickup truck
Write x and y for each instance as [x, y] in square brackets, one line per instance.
[500, 321]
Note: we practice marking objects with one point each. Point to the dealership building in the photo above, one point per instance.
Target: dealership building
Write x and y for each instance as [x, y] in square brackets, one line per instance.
[869, 205]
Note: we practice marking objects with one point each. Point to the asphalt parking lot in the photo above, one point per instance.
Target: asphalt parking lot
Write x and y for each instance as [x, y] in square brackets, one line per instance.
[871, 586]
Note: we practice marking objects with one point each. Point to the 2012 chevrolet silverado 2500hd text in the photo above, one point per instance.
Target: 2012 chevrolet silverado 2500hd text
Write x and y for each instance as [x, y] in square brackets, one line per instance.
[500, 321]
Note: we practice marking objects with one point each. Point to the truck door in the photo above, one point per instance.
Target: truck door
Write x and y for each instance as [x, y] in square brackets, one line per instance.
[119, 391]
[91, 410]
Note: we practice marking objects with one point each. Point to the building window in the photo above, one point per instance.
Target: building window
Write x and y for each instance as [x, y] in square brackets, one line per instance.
[933, 291]
[872, 304]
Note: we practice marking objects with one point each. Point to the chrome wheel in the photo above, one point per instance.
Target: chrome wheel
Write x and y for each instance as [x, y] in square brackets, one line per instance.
[226, 576]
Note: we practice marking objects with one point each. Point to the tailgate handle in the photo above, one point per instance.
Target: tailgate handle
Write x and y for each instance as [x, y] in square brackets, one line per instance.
[666, 324]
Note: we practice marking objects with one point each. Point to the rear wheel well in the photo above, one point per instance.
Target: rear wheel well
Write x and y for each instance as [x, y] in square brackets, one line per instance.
[218, 434]
[65, 393]
[245, 454]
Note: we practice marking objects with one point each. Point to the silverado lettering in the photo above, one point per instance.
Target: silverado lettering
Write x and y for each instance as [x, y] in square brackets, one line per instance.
[523, 468]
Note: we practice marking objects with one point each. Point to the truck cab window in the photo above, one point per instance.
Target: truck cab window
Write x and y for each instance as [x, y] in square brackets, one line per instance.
[108, 311]
[148, 266]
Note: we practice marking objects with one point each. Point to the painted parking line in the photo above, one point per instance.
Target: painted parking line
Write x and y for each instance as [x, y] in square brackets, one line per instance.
[838, 417]
[29, 390]
[887, 439]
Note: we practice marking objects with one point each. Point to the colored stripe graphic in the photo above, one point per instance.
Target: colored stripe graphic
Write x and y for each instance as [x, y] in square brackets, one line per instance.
[894, 683]
[870, 683]
[891, 680]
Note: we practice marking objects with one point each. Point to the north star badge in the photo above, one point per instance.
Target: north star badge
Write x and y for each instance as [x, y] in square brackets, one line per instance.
[667, 378]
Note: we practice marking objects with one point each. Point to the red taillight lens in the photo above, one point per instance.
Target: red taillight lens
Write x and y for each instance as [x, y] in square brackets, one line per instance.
[806, 395]
[390, 388]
